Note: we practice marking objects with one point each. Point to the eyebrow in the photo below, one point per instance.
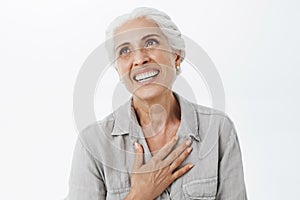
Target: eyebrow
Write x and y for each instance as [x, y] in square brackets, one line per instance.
[150, 35]
[143, 38]
[123, 44]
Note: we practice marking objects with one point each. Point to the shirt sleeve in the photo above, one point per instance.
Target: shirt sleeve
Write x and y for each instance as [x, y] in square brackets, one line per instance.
[231, 184]
[85, 182]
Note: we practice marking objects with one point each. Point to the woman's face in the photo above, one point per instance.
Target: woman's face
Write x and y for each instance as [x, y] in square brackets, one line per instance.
[145, 61]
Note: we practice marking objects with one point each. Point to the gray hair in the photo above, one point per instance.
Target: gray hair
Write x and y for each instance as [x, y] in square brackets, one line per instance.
[164, 22]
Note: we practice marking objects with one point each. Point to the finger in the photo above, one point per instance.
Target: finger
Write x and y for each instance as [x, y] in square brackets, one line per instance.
[165, 150]
[177, 152]
[178, 173]
[180, 159]
[139, 156]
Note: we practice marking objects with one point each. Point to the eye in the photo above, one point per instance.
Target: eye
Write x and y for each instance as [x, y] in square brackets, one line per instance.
[151, 42]
[124, 51]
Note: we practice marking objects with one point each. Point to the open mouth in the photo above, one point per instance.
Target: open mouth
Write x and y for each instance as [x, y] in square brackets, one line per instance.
[146, 76]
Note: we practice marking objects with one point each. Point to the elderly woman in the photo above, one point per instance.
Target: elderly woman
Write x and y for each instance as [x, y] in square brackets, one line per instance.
[158, 145]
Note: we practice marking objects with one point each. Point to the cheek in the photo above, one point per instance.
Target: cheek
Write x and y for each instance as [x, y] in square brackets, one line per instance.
[165, 58]
[123, 66]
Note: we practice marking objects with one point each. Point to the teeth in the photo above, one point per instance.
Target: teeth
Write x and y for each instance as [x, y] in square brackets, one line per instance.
[146, 76]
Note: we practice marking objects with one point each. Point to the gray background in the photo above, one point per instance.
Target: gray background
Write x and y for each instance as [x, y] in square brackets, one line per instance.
[254, 45]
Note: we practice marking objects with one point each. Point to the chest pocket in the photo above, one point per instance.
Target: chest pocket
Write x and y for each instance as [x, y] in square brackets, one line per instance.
[117, 185]
[204, 189]
[117, 194]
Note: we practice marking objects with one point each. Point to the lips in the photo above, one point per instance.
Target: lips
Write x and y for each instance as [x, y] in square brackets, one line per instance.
[145, 76]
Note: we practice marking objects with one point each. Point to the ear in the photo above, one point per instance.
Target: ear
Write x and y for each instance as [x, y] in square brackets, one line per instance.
[177, 58]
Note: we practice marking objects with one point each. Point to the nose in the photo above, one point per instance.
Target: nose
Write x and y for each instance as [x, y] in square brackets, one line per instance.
[140, 57]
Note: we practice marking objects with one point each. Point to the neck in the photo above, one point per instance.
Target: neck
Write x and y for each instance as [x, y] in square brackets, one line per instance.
[156, 114]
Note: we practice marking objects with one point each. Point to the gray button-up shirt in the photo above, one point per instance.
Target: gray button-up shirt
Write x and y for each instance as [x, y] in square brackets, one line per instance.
[104, 155]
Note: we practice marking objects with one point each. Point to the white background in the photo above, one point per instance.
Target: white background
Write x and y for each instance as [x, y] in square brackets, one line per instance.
[254, 45]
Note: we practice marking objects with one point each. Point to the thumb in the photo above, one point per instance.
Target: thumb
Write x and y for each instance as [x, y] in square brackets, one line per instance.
[139, 156]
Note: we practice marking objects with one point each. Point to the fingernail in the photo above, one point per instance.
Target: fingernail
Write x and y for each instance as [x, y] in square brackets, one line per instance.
[189, 149]
[191, 166]
[136, 145]
[188, 142]
[176, 138]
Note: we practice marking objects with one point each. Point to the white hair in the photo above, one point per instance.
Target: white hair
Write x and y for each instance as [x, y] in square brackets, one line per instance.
[164, 22]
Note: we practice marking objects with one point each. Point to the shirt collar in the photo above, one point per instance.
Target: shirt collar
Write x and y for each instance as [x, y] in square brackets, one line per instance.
[126, 121]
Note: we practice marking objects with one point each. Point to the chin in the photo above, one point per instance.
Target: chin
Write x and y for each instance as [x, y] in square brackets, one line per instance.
[150, 92]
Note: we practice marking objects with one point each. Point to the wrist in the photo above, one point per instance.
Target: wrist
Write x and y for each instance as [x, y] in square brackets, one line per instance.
[133, 195]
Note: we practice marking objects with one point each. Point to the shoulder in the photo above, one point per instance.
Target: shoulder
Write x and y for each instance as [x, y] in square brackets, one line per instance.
[98, 127]
[214, 127]
[96, 136]
[211, 115]
[213, 120]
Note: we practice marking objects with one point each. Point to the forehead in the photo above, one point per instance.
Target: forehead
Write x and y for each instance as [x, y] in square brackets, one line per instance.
[137, 23]
[136, 29]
